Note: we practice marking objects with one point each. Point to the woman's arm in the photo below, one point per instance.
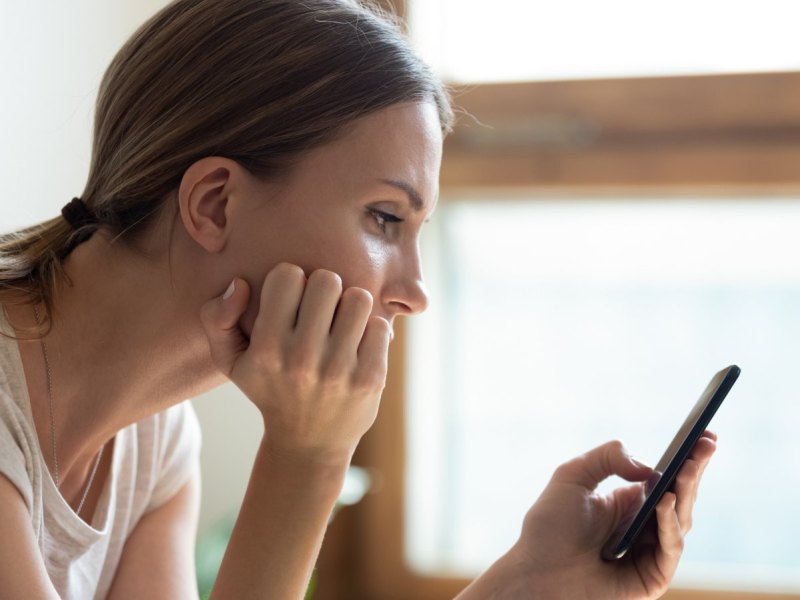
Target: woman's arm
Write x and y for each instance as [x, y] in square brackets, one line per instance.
[158, 558]
[314, 365]
[280, 527]
[22, 570]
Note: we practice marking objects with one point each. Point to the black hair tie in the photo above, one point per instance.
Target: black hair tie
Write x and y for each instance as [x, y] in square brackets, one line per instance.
[77, 214]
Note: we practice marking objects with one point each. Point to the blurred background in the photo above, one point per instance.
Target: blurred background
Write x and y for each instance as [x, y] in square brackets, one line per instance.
[618, 221]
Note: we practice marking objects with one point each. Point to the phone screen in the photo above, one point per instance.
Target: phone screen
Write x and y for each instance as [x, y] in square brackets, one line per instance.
[676, 454]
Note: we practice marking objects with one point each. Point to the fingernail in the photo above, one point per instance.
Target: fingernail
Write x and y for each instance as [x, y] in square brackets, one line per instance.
[636, 463]
[229, 292]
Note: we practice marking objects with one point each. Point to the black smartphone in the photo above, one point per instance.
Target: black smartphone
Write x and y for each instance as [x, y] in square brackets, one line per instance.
[678, 451]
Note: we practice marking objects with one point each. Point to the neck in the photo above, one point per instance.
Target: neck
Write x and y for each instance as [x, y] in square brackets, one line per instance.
[126, 342]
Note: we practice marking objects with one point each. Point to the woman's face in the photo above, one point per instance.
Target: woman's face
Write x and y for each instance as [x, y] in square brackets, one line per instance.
[354, 206]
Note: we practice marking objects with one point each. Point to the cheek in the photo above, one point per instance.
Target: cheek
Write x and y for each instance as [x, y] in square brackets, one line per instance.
[361, 261]
[365, 264]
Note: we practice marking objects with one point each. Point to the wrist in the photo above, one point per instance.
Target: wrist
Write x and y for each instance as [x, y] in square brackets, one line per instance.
[314, 469]
[546, 578]
[507, 579]
[520, 568]
[306, 449]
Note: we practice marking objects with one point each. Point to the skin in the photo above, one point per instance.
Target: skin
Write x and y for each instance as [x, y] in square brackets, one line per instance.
[290, 288]
[558, 553]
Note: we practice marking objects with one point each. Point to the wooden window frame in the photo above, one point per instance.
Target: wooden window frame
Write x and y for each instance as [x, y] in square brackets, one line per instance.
[702, 135]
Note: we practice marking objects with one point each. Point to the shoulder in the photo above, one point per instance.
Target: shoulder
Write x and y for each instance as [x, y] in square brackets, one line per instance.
[175, 438]
[173, 428]
[18, 447]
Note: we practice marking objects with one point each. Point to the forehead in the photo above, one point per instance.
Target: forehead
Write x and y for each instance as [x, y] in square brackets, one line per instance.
[399, 143]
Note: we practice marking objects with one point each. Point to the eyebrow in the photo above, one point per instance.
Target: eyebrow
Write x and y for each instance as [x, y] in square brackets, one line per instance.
[413, 195]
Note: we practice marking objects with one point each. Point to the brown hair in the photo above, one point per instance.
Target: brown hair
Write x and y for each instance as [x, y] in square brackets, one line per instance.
[256, 81]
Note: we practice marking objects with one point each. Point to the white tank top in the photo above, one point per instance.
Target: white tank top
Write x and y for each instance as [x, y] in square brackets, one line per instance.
[152, 459]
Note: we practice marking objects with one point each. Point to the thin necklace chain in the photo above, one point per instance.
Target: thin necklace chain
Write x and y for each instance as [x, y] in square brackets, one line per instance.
[50, 402]
[53, 426]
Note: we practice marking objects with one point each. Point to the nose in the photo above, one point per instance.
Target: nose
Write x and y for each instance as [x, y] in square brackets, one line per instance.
[404, 292]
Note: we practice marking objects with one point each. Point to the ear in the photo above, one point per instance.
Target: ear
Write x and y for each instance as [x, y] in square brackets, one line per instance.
[204, 200]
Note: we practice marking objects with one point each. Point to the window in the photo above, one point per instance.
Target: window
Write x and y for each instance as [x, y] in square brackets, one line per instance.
[513, 40]
[560, 324]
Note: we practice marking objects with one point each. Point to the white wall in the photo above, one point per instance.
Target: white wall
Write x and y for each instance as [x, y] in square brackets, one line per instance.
[52, 57]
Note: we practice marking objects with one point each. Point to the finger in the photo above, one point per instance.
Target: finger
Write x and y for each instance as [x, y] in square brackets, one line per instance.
[687, 481]
[628, 498]
[280, 298]
[351, 320]
[373, 354]
[685, 488]
[315, 315]
[220, 317]
[703, 450]
[596, 465]
[670, 539]
[710, 435]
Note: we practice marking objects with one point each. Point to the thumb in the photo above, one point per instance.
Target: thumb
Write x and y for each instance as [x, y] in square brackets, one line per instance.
[220, 318]
[631, 496]
[596, 465]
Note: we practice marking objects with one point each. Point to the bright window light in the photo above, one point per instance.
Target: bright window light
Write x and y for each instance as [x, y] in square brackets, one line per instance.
[511, 40]
[558, 325]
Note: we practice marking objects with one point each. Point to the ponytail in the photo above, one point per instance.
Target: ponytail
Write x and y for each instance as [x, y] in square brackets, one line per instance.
[31, 259]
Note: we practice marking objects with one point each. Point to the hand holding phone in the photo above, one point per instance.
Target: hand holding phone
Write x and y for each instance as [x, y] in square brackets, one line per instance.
[677, 452]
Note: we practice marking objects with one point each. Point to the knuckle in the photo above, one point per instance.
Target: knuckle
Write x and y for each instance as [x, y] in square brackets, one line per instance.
[288, 271]
[663, 508]
[268, 357]
[675, 547]
[371, 381]
[683, 480]
[688, 474]
[300, 379]
[300, 363]
[335, 370]
[612, 451]
[326, 280]
[571, 470]
[661, 587]
[381, 326]
[283, 276]
[563, 470]
[358, 298]
[617, 446]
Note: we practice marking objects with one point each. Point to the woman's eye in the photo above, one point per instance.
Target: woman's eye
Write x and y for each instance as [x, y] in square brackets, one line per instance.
[382, 218]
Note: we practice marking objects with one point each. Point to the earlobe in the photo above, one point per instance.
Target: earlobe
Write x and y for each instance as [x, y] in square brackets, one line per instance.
[203, 201]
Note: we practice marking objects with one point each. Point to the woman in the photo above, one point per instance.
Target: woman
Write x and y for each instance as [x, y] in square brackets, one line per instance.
[261, 170]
